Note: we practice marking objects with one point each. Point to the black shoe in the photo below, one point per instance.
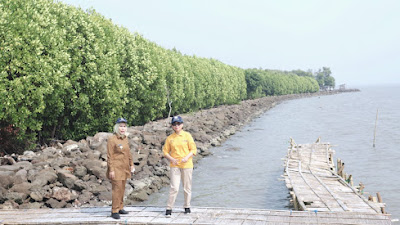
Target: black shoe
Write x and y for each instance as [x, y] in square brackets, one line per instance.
[187, 210]
[168, 213]
[115, 216]
[122, 211]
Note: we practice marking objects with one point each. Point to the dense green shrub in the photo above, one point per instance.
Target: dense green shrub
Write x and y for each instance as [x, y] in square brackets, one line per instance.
[272, 82]
[67, 74]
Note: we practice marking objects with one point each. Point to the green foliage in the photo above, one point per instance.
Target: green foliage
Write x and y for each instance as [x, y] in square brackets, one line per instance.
[66, 74]
[324, 78]
[271, 82]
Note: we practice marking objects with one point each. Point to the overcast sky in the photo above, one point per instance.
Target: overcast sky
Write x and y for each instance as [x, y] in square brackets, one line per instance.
[359, 40]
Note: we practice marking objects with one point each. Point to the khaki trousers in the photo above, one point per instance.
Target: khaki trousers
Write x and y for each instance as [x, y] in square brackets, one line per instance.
[118, 191]
[176, 175]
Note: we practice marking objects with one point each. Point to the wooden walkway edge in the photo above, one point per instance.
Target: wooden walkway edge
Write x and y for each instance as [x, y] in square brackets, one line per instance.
[199, 215]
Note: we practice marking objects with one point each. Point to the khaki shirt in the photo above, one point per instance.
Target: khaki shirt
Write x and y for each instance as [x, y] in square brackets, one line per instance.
[179, 146]
[119, 157]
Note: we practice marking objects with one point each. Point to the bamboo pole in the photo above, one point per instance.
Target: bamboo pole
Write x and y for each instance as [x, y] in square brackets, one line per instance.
[376, 121]
[380, 201]
[338, 163]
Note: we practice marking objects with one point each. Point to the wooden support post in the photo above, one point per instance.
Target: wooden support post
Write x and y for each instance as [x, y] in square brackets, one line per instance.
[294, 201]
[380, 201]
[340, 172]
[376, 121]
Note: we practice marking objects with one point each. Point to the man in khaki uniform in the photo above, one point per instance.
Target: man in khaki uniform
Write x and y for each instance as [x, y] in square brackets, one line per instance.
[119, 166]
[179, 148]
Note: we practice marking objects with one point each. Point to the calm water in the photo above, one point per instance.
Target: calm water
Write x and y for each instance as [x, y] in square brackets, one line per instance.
[245, 171]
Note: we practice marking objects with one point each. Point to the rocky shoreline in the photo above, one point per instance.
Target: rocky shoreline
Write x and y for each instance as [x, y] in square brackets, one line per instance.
[73, 174]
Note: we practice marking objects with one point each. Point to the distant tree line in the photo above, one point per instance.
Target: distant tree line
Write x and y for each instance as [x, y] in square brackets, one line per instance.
[274, 82]
[66, 74]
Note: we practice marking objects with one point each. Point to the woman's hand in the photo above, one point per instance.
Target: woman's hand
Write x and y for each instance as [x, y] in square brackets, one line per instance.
[112, 175]
[185, 159]
[132, 169]
[174, 161]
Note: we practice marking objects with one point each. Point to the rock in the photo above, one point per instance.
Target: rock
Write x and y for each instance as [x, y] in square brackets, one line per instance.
[140, 195]
[31, 205]
[66, 178]
[7, 160]
[21, 176]
[165, 179]
[2, 194]
[137, 184]
[10, 168]
[93, 155]
[71, 147]
[9, 205]
[37, 196]
[6, 179]
[50, 153]
[16, 197]
[128, 189]
[23, 187]
[153, 159]
[59, 162]
[98, 172]
[61, 194]
[105, 196]
[85, 197]
[53, 203]
[156, 184]
[74, 195]
[96, 188]
[40, 193]
[69, 143]
[160, 170]
[80, 185]
[80, 171]
[44, 177]
[27, 156]
[98, 139]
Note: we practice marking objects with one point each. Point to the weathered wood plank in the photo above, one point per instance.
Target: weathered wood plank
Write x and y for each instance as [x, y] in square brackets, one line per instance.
[199, 215]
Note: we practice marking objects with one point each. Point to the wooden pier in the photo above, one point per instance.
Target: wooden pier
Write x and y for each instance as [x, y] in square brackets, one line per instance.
[155, 215]
[321, 194]
[315, 184]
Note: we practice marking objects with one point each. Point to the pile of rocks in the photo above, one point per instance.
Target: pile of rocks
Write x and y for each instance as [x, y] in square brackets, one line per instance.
[73, 174]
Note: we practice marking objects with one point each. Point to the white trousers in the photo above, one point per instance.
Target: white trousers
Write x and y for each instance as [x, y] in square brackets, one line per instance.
[176, 175]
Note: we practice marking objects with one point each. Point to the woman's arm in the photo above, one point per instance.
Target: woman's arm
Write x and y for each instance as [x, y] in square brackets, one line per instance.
[110, 159]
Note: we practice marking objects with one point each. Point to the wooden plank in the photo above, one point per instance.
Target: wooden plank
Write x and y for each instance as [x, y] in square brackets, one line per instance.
[199, 215]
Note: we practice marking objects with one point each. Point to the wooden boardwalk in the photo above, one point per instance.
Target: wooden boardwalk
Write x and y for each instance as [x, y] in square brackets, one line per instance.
[320, 192]
[314, 183]
[155, 215]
